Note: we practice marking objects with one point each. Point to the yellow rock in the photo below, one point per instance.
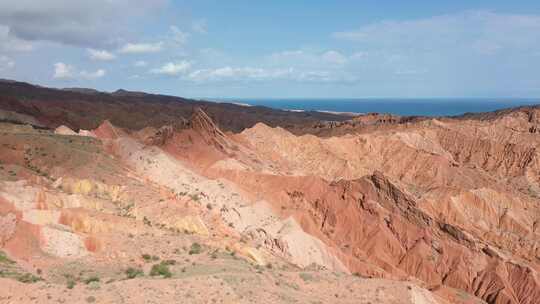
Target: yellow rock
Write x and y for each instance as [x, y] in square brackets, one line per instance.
[253, 254]
[90, 187]
[191, 224]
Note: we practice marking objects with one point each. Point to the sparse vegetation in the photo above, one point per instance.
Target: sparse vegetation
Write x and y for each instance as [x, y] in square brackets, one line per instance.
[196, 248]
[4, 259]
[306, 277]
[91, 279]
[28, 278]
[147, 258]
[71, 283]
[161, 269]
[147, 222]
[132, 273]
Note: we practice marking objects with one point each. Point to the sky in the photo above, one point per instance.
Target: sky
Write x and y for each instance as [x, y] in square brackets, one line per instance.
[276, 49]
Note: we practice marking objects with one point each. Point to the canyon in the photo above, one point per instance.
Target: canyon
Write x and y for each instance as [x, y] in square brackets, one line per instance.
[129, 197]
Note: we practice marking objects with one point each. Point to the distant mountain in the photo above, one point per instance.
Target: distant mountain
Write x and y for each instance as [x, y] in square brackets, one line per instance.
[82, 108]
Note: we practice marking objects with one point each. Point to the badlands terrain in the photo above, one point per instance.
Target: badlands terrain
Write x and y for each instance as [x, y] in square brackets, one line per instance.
[137, 198]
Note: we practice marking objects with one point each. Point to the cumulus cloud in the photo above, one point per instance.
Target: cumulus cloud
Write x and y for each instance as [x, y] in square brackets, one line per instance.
[172, 68]
[80, 23]
[93, 75]
[237, 73]
[66, 71]
[63, 71]
[9, 43]
[250, 74]
[481, 31]
[100, 55]
[141, 48]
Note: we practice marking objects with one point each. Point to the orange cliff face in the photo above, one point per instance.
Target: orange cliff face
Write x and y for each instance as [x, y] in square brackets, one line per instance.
[447, 207]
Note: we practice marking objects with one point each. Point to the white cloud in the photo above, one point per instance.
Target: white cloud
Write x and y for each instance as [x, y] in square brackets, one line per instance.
[101, 55]
[200, 26]
[140, 64]
[309, 58]
[93, 75]
[334, 57]
[178, 36]
[484, 32]
[172, 68]
[6, 63]
[140, 48]
[237, 73]
[10, 43]
[63, 71]
[249, 74]
[80, 23]
[67, 71]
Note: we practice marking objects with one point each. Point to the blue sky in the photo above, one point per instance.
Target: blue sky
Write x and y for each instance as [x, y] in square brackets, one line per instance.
[276, 48]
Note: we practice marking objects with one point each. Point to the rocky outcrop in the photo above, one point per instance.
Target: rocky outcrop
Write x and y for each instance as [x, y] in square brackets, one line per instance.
[63, 130]
[201, 123]
[156, 137]
[107, 131]
[508, 159]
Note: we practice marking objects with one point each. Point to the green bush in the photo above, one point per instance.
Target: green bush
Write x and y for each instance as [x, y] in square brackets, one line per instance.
[71, 283]
[91, 279]
[132, 273]
[146, 257]
[28, 278]
[4, 259]
[161, 269]
[169, 262]
[196, 248]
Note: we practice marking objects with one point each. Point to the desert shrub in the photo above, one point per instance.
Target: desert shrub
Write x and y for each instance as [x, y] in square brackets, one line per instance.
[306, 277]
[146, 257]
[196, 248]
[28, 278]
[4, 259]
[91, 279]
[70, 283]
[169, 262]
[132, 273]
[161, 269]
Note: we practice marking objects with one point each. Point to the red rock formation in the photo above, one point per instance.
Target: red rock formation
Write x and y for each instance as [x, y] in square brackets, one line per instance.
[201, 123]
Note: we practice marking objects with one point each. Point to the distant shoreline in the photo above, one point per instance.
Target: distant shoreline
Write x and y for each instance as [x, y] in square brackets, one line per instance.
[435, 107]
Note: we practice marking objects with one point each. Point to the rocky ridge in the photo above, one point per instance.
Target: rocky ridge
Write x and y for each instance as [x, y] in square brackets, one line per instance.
[378, 209]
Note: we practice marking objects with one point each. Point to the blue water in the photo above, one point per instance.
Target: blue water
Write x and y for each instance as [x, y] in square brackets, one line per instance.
[419, 107]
